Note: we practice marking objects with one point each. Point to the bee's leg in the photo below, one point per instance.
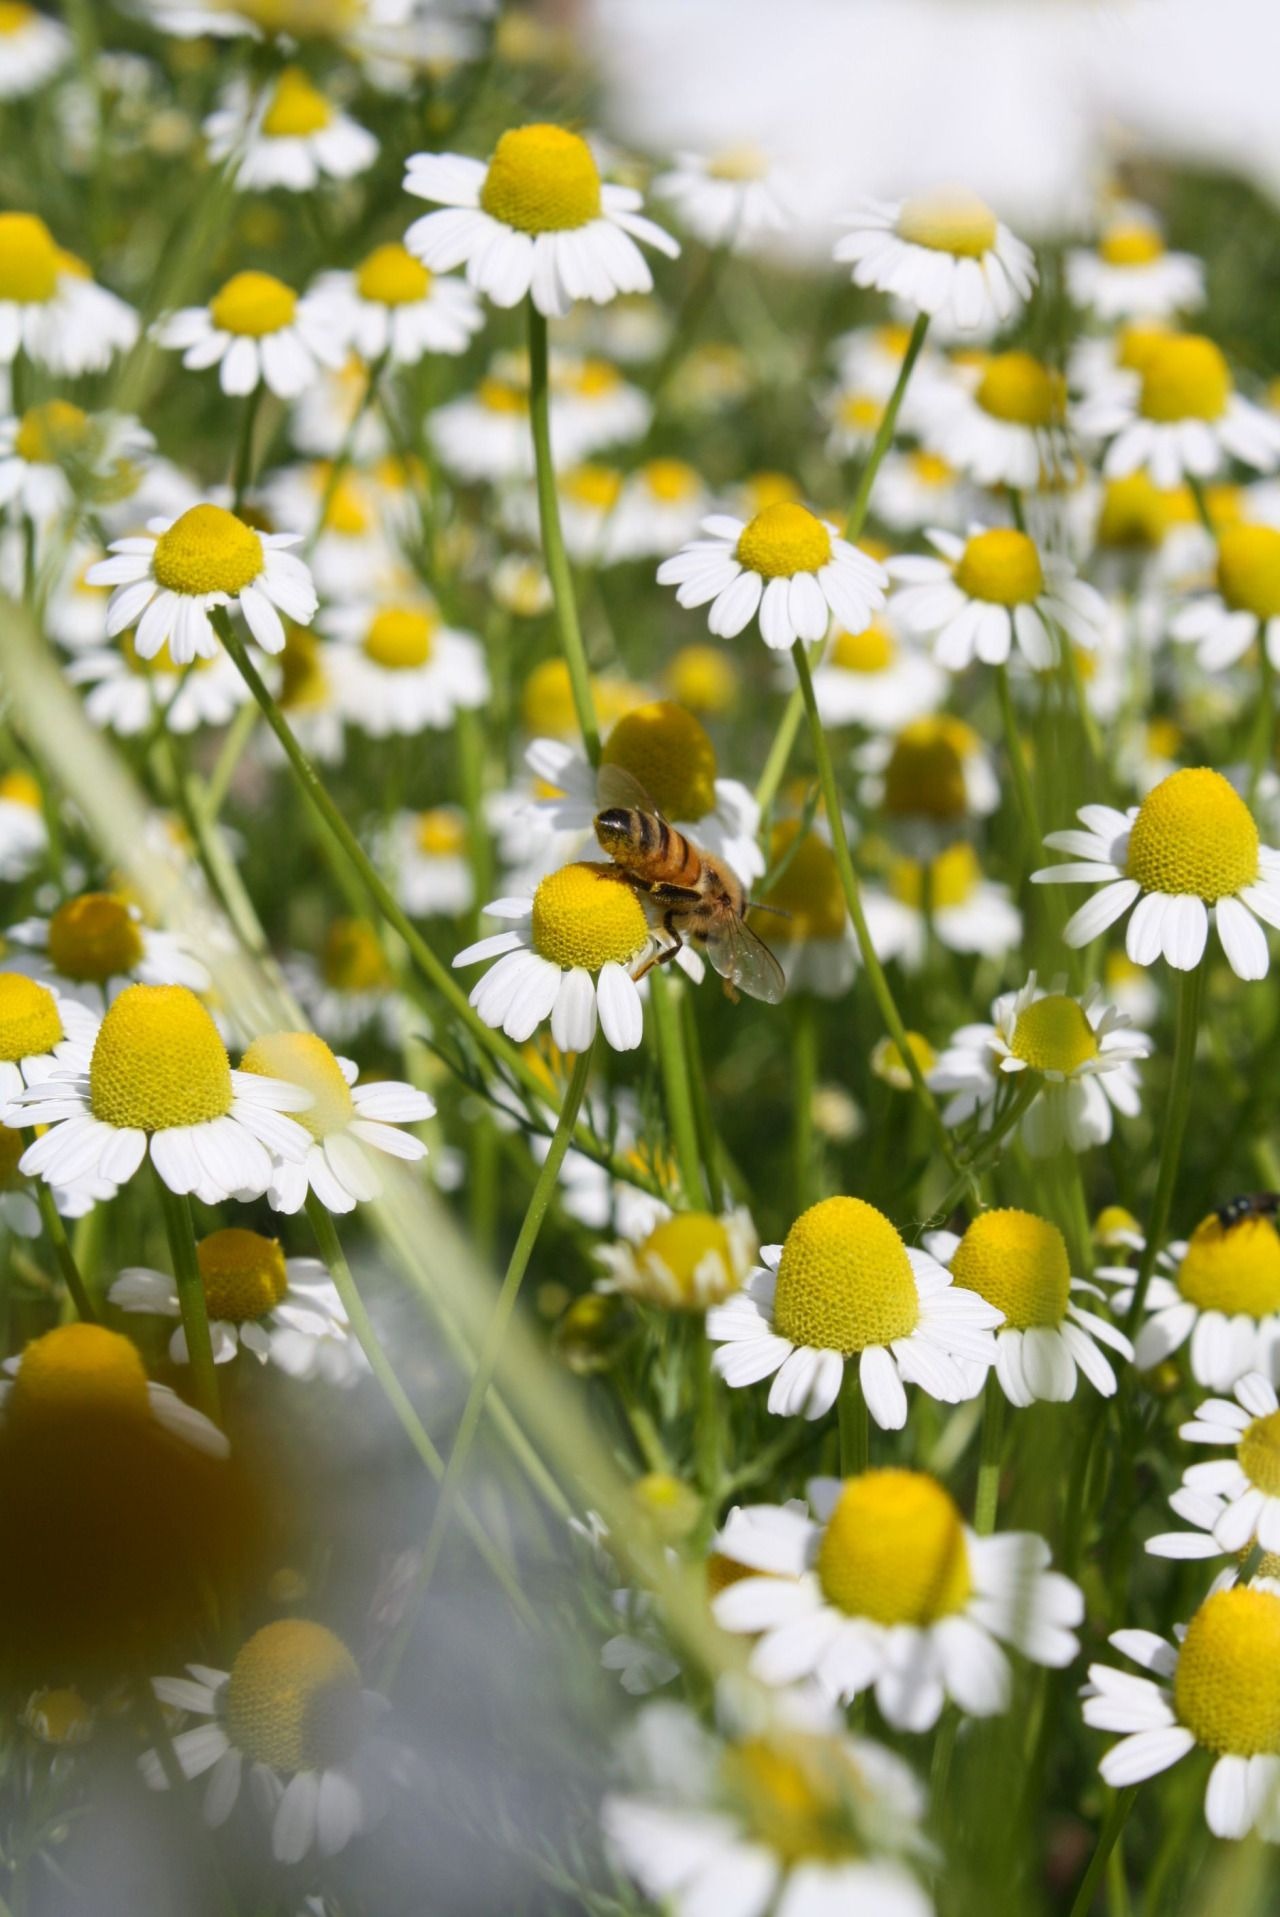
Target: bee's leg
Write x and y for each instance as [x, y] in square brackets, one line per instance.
[668, 952]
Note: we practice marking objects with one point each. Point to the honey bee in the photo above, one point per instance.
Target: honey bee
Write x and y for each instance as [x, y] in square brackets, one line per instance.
[1258, 1204]
[701, 901]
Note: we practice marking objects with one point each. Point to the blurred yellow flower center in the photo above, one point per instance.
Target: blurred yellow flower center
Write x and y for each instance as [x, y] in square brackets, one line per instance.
[594, 487]
[894, 1550]
[400, 638]
[80, 1370]
[1184, 377]
[950, 222]
[1053, 1034]
[30, 1022]
[1194, 835]
[738, 163]
[844, 1279]
[62, 1716]
[860, 412]
[293, 1699]
[1135, 345]
[297, 108]
[929, 469]
[302, 678]
[925, 774]
[160, 665]
[771, 489]
[1018, 388]
[243, 1274]
[682, 1244]
[1134, 512]
[871, 650]
[392, 277]
[955, 876]
[15, 15]
[51, 432]
[12, 1146]
[799, 1795]
[349, 512]
[808, 889]
[93, 938]
[19, 788]
[783, 540]
[158, 1061]
[252, 305]
[887, 1061]
[1232, 1268]
[302, 19]
[499, 396]
[593, 379]
[541, 179]
[671, 1506]
[670, 481]
[1131, 245]
[440, 833]
[588, 915]
[1164, 737]
[303, 1059]
[1018, 1263]
[28, 260]
[1114, 1224]
[353, 959]
[1249, 570]
[670, 754]
[703, 679]
[208, 550]
[1226, 1689]
[1258, 1454]
[1001, 566]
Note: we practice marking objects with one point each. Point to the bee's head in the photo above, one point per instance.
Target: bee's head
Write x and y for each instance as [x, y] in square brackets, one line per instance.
[613, 829]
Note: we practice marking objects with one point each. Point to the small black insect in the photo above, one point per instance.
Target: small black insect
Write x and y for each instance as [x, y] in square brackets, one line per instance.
[1258, 1204]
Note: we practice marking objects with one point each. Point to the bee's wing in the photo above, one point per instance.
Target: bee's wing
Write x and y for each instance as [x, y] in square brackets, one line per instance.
[746, 960]
[615, 786]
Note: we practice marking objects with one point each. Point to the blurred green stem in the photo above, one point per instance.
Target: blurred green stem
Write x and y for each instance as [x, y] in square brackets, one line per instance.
[676, 1085]
[1190, 998]
[1262, 743]
[1121, 1805]
[238, 735]
[56, 1232]
[987, 1498]
[1027, 807]
[709, 1146]
[804, 1078]
[181, 1230]
[244, 468]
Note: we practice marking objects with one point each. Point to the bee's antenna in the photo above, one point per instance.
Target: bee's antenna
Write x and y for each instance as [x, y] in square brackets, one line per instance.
[757, 905]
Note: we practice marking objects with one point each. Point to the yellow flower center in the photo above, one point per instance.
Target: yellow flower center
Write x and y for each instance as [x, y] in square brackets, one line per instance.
[671, 1506]
[681, 1243]
[1135, 345]
[1018, 1263]
[588, 915]
[392, 277]
[83, 1370]
[500, 396]
[302, 19]
[738, 163]
[670, 480]
[93, 938]
[15, 16]
[887, 1061]
[300, 1058]
[400, 638]
[1020, 389]
[19, 788]
[158, 1061]
[844, 1280]
[243, 1274]
[782, 540]
[56, 1717]
[955, 876]
[799, 1795]
[349, 512]
[1194, 835]
[928, 469]
[1184, 377]
[160, 665]
[207, 550]
[871, 650]
[1114, 1224]
[671, 755]
[1163, 737]
[51, 432]
[293, 1698]
[1232, 1268]
[440, 833]
[1131, 245]
[860, 412]
[302, 677]
[253, 305]
[1053, 1034]
[594, 487]
[353, 959]
[704, 679]
[30, 1022]
[28, 260]
[297, 108]
[1249, 570]
[950, 222]
[1001, 566]
[1258, 1454]
[771, 489]
[1226, 1689]
[541, 179]
[894, 1550]
[546, 702]
[925, 774]
[808, 890]
[1134, 512]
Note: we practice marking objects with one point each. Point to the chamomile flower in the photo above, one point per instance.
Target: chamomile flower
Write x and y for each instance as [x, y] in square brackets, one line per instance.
[55, 454]
[1249, 1482]
[1178, 414]
[737, 197]
[885, 1587]
[929, 779]
[168, 581]
[1217, 1688]
[1220, 1288]
[156, 1082]
[288, 135]
[1010, 429]
[50, 307]
[1130, 274]
[597, 406]
[255, 1298]
[486, 435]
[127, 694]
[844, 1286]
[24, 836]
[686, 1263]
[434, 876]
[19, 1210]
[1080, 1053]
[258, 332]
[351, 987]
[96, 944]
[876, 680]
[969, 912]
[32, 49]
[334, 407]
[41, 1032]
[536, 220]
[659, 507]
[397, 668]
[1191, 848]
[1244, 603]
[918, 489]
[810, 933]
[392, 304]
[96, 1374]
[587, 495]
[785, 564]
[988, 590]
[946, 255]
[292, 1712]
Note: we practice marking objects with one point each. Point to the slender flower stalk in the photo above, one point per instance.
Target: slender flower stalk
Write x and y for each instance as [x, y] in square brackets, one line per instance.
[676, 1085]
[66, 1258]
[1190, 997]
[242, 475]
[855, 1425]
[181, 1231]
[1121, 1804]
[1028, 810]
[987, 1498]
[557, 561]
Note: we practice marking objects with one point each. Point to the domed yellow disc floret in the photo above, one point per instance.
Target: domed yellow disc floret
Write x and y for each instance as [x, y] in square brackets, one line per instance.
[671, 481]
[703, 678]
[30, 1022]
[51, 432]
[400, 638]
[1114, 1225]
[951, 222]
[1019, 388]
[1001, 566]
[80, 1370]
[1194, 835]
[1226, 1689]
[57, 1717]
[588, 915]
[296, 108]
[1053, 1034]
[894, 1550]
[293, 1700]
[303, 1059]
[799, 1795]
[252, 305]
[158, 1062]
[1232, 1268]
[542, 179]
[869, 651]
[1258, 1454]
[207, 550]
[1184, 377]
[808, 889]
[440, 833]
[28, 260]
[243, 1274]
[352, 959]
[390, 276]
[783, 540]
[1249, 570]
[844, 1279]
[1131, 244]
[93, 938]
[682, 1245]
[670, 754]
[925, 775]
[1018, 1263]
[1135, 512]
[955, 876]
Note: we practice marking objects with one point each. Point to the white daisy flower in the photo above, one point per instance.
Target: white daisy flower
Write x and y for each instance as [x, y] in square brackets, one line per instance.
[396, 668]
[1130, 275]
[55, 456]
[428, 854]
[289, 135]
[156, 1082]
[258, 332]
[990, 589]
[24, 835]
[332, 413]
[19, 1210]
[1010, 429]
[686, 1263]
[887, 1588]
[785, 564]
[1221, 1289]
[168, 581]
[32, 49]
[101, 1372]
[1178, 414]
[946, 255]
[587, 495]
[737, 197]
[486, 435]
[350, 989]
[1191, 847]
[96, 944]
[393, 305]
[255, 1298]
[970, 912]
[811, 935]
[918, 489]
[1081, 1054]
[596, 406]
[536, 220]
[660, 506]
[1249, 1482]
[291, 1711]
[934, 776]
[853, 417]
[845, 1286]
[128, 694]
[1019, 1263]
[42, 1031]
[50, 307]
[350, 552]
[1244, 603]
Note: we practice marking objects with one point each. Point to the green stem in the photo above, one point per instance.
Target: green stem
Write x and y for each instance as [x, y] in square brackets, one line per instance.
[780, 751]
[676, 1087]
[804, 1077]
[1262, 744]
[1017, 763]
[1202, 504]
[343, 456]
[966, 1180]
[988, 1493]
[1190, 999]
[56, 1232]
[855, 1423]
[239, 732]
[708, 1429]
[181, 1230]
[243, 471]
[709, 1146]
[469, 737]
[1121, 1805]
[557, 562]
[884, 432]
